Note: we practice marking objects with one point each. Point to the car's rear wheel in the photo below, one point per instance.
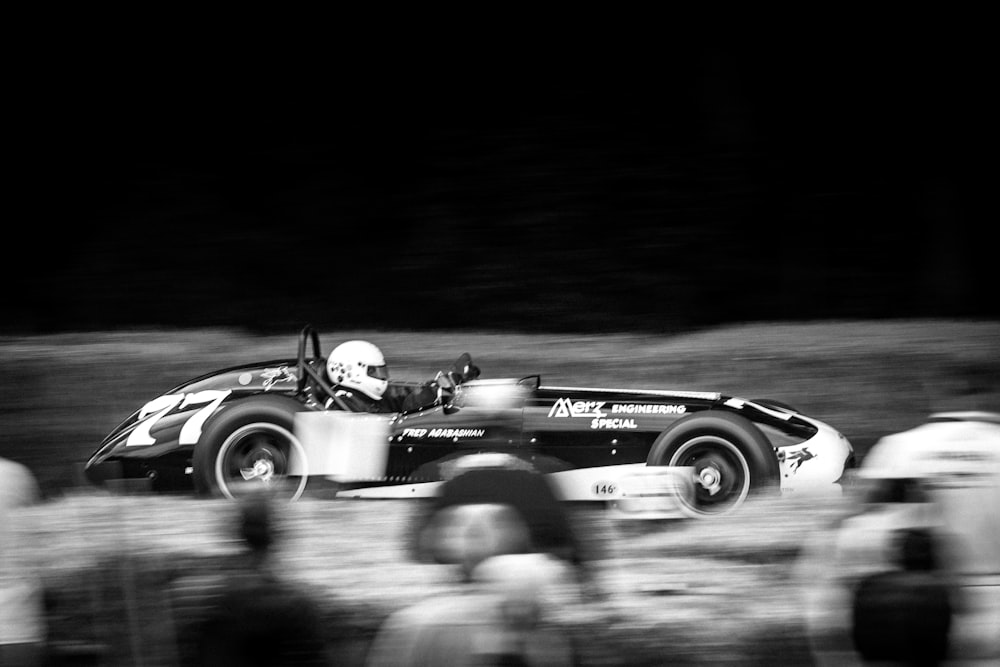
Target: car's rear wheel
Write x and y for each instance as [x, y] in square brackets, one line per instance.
[247, 450]
[731, 460]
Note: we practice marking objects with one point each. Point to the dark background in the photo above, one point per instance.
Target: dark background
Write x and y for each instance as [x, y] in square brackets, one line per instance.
[653, 191]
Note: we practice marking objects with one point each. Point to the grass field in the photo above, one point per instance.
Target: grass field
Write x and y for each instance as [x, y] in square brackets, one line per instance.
[681, 592]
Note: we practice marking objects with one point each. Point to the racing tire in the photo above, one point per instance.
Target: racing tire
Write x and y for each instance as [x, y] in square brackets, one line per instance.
[247, 448]
[732, 460]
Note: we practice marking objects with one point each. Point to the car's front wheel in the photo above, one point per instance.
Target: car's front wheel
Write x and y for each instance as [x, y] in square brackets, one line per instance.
[248, 449]
[730, 458]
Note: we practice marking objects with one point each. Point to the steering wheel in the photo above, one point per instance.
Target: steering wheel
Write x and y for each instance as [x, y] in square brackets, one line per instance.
[463, 369]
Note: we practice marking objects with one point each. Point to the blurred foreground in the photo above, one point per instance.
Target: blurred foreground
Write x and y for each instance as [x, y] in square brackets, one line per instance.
[129, 579]
[913, 575]
[124, 574]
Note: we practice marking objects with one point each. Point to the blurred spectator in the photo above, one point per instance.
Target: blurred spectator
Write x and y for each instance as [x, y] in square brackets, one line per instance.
[516, 556]
[468, 534]
[22, 606]
[260, 619]
[912, 574]
[528, 493]
[904, 615]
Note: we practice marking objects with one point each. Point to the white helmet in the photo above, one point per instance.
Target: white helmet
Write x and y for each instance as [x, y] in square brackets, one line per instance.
[358, 364]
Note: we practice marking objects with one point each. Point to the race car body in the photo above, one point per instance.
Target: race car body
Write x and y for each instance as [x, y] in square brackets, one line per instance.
[258, 423]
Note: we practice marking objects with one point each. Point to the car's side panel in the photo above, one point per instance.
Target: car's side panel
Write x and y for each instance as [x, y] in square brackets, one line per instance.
[424, 437]
[590, 427]
[419, 440]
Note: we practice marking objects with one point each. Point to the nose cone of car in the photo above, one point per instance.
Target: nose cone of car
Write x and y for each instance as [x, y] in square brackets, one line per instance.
[99, 472]
[103, 465]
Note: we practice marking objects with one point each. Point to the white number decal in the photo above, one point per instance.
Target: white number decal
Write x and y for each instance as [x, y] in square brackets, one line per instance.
[192, 427]
[191, 430]
[161, 406]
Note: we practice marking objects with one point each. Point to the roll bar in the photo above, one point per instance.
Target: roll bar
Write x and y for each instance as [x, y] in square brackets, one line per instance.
[308, 333]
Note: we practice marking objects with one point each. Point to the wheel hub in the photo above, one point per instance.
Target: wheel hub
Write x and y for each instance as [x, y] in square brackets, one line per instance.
[711, 479]
[262, 469]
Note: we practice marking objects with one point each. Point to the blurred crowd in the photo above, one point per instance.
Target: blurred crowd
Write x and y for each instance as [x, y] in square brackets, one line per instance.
[912, 574]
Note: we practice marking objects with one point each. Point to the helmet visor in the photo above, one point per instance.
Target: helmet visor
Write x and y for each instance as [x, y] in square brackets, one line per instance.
[379, 372]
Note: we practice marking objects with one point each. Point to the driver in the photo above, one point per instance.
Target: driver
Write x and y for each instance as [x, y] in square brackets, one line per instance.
[360, 379]
[359, 375]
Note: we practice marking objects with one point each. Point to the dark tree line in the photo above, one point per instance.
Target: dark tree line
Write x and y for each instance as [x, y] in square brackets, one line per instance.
[731, 189]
